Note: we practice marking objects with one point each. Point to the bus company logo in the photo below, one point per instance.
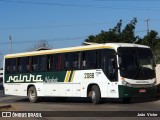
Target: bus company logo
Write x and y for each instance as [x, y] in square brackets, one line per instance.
[51, 80]
[142, 81]
[25, 78]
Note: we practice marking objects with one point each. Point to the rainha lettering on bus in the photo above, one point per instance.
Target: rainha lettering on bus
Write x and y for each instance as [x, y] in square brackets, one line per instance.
[25, 78]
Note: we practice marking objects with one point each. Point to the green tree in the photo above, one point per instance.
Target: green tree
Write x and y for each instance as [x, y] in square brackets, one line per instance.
[151, 39]
[128, 34]
[116, 35]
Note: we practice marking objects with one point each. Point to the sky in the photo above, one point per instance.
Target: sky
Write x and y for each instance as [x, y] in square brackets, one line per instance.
[66, 23]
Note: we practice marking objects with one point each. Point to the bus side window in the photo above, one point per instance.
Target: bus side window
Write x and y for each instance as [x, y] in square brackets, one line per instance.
[89, 59]
[29, 64]
[42, 63]
[79, 60]
[66, 61]
[13, 65]
[22, 64]
[84, 60]
[99, 59]
[50, 62]
[58, 61]
[34, 63]
[8, 65]
[76, 60]
[19, 64]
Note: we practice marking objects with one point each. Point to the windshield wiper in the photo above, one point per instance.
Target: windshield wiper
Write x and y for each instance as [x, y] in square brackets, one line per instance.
[137, 72]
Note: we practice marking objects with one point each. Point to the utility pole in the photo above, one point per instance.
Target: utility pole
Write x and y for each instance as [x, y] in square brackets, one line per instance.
[147, 21]
[10, 38]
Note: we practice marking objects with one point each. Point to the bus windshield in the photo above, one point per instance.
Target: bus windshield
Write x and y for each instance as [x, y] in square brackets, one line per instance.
[136, 63]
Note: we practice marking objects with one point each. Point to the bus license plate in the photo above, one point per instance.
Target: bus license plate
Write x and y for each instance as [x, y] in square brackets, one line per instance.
[142, 90]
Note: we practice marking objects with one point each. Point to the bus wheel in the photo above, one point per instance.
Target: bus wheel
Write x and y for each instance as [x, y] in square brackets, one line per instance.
[32, 95]
[95, 94]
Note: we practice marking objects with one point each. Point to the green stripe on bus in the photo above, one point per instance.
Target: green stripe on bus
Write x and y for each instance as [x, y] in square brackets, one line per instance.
[46, 77]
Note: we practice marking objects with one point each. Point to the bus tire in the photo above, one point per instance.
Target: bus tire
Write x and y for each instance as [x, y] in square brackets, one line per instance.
[32, 95]
[95, 94]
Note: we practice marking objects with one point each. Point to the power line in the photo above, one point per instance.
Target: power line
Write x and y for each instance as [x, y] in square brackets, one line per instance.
[77, 5]
[56, 39]
[53, 4]
[62, 26]
[49, 40]
[50, 27]
[59, 26]
[39, 3]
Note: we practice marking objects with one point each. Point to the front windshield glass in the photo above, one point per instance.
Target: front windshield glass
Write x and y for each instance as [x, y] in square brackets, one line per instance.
[136, 63]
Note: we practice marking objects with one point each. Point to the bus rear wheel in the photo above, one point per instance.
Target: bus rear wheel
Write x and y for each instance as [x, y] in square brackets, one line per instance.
[32, 95]
[95, 94]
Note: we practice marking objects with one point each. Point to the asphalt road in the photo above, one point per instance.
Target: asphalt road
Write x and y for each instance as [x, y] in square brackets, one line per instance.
[83, 104]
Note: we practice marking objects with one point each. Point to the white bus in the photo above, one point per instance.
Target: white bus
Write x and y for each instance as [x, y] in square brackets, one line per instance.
[1, 75]
[111, 70]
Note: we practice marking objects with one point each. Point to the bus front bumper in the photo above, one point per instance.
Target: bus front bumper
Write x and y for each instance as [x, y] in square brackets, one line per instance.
[131, 92]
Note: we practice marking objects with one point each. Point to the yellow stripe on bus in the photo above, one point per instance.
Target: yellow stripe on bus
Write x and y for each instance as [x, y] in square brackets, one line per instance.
[67, 76]
[47, 52]
[72, 76]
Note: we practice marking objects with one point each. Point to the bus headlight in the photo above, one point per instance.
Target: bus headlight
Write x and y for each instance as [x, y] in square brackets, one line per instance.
[153, 84]
[126, 83]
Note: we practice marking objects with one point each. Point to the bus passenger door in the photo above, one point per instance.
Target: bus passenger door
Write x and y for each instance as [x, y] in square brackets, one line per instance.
[112, 75]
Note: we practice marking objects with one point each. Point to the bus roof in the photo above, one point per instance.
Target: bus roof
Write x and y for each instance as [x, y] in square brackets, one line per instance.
[74, 49]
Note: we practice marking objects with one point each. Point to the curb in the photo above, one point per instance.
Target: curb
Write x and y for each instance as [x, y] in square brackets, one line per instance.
[5, 106]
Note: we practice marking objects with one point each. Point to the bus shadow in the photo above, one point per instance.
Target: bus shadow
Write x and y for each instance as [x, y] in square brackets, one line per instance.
[133, 100]
[140, 100]
[88, 100]
[58, 100]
